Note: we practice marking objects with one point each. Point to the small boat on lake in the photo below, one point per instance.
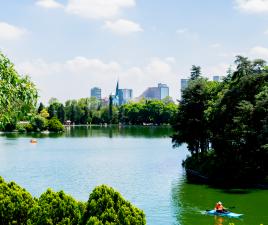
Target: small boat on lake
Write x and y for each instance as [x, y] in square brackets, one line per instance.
[226, 213]
[33, 141]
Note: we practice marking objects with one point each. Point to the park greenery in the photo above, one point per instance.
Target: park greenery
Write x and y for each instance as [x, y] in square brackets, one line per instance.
[92, 111]
[104, 207]
[18, 95]
[18, 99]
[225, 124]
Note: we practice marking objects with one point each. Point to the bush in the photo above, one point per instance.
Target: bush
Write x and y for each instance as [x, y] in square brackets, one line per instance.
[106, 206]
[55, 125]
[15, 203]
[21, 128]
[29, 127]
[39, 123]
[56, 208]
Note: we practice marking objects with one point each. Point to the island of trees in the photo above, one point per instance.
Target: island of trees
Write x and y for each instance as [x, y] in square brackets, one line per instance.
[225, 125]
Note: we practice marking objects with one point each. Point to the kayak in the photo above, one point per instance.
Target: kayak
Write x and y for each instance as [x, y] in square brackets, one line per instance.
[228, 213]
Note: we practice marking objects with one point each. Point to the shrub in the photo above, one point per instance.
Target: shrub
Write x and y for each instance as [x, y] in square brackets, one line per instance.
[55, 125]
[106, 206]
[39, 123]
[56, 208]
[15, 203]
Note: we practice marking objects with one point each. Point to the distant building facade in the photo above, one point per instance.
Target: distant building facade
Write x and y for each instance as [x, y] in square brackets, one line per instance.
[160, 92]
[122, 96]
[218, 78]
[96, 92]
[184, 84]
[125, 95]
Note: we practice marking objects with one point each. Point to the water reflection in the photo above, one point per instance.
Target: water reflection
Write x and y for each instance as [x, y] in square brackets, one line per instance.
[115, 131]
[101, 131]
[190, 201]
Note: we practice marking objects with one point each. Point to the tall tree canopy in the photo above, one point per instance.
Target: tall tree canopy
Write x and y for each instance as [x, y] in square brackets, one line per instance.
[18, 95]
[231, 118]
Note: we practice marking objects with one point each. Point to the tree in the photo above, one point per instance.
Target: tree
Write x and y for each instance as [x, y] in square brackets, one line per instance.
[55, 125]
[56, 208]
[61, 113]
[110, 108]
[191, 125]
[40, 108]
[44, 113]
[52, 111]
[18, 95]
[106, 206]
[231, 118]
[15, 203]
[195, 72]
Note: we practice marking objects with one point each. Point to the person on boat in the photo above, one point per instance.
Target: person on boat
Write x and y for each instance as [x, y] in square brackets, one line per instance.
[219, 208]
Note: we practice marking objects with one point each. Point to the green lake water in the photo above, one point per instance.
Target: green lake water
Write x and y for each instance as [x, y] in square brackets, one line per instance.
[139, 162]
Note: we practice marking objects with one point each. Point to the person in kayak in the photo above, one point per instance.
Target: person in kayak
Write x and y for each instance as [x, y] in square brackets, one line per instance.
[219, 208]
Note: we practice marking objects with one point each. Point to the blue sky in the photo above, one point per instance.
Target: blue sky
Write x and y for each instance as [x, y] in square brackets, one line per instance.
[69, 46]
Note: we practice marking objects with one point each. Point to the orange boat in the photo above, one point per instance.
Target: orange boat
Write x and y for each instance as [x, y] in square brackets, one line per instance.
[33, 141]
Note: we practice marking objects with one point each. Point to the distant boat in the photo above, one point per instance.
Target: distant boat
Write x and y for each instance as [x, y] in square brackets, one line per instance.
[33, 141]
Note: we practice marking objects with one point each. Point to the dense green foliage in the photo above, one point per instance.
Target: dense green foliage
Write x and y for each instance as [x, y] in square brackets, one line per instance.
[55, 125]
[91, 111]
[18, 95]
[56, 208]
[105, 206]
[15, 203]
[225, 124]
[148, 111]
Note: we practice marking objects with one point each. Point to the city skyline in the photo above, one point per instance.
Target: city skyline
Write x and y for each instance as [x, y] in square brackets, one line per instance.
[67, 46]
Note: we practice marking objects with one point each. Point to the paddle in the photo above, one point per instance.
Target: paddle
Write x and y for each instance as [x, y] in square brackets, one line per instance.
[231, 207]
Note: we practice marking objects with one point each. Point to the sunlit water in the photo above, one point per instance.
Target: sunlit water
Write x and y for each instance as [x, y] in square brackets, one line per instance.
[139, 162]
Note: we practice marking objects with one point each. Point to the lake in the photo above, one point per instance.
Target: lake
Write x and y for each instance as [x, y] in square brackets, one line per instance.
[139, 162]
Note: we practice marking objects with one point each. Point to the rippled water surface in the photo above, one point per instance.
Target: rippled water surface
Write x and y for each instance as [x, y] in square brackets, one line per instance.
[139, 162]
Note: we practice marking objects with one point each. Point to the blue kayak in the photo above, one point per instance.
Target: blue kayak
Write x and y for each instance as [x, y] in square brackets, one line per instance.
[228, 213]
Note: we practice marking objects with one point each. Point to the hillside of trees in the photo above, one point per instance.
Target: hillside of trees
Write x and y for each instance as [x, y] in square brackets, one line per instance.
[225, 125]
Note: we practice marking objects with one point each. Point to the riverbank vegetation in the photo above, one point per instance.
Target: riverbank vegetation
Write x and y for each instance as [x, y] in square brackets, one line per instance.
[18, 99]
[91, 111]
[225, 125]
[18, 96]
[105, 206]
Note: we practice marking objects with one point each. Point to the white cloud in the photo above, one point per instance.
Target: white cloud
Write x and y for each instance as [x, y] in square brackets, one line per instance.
[252, 6]
[266, 32]
[259, 52]
[215, 45]
[98, 9]
[158, 66]
[170, 60]
[218, 69]
[73, 78]
[123, 27]
[11, 32]
[50, 4]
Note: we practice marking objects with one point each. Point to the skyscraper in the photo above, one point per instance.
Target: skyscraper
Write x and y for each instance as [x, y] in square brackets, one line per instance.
[122, 96]
[184, 84]
[125, 95]
[160, 92]
[164, 90]
[96, 92]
